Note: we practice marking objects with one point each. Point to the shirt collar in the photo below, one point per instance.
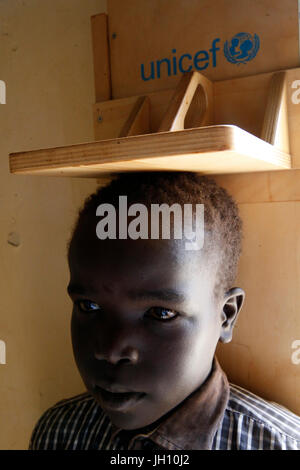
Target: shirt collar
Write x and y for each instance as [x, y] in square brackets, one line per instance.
[193, 424]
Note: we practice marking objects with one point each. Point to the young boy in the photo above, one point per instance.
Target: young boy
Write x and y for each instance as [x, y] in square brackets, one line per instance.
[148, 314]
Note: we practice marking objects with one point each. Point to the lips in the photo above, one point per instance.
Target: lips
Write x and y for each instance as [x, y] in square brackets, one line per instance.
[114, 388]
[118, 400]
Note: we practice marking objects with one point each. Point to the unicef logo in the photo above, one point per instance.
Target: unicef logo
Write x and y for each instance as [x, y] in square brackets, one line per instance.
[242, 48]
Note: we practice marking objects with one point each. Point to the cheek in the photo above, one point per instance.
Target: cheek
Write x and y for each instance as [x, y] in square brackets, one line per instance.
[83, 356]
[169, 357]
[80, 338]
[195, 346]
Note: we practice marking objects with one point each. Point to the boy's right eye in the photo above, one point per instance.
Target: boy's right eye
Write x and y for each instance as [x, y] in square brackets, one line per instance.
[87, 306]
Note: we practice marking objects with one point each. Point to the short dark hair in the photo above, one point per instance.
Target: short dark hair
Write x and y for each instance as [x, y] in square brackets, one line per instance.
[221, 216]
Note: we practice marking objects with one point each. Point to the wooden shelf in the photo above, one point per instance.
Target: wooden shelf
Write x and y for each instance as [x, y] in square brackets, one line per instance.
[210, 150]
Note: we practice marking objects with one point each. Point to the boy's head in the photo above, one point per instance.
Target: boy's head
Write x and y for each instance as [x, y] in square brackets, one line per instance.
[148, 314]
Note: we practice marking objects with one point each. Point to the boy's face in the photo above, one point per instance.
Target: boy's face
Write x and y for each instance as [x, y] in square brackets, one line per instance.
[144, 319]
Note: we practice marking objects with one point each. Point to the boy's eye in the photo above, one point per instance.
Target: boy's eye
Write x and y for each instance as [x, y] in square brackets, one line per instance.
[87, 305]
[159, 313]
[163, 314]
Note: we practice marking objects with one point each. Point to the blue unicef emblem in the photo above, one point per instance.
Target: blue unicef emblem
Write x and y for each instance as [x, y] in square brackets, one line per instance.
[242, 48]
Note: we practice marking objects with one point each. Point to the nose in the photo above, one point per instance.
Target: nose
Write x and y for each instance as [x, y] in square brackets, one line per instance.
[114, 356]
[116, 346]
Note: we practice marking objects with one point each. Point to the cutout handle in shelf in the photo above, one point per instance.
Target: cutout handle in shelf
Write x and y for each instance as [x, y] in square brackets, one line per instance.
[181, 100]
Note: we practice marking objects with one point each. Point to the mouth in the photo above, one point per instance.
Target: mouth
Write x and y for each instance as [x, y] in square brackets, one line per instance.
[118, 401]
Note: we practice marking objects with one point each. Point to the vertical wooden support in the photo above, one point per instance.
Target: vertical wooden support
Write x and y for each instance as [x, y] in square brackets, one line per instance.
[275, 125]
[102, 69]
[101, 55]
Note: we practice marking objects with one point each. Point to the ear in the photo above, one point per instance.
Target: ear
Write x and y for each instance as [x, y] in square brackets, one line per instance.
[233, 302]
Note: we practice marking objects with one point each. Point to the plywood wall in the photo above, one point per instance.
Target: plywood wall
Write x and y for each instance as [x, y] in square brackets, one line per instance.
[46, 60]
[260, 354]
[143, 31]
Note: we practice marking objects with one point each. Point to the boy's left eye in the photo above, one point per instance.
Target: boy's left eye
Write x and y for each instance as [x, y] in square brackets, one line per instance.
[87, 305]
[163, 314]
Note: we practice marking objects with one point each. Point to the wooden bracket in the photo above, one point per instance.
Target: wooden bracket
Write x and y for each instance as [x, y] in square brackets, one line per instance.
[138, 121]
[122, 118]
[275, 125]
[174, 119]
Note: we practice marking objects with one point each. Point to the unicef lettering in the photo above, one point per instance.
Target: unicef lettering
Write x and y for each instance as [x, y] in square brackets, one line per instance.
[240, 49]
[200, 61]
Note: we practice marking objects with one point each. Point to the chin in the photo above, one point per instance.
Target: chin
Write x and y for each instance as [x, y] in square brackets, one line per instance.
[126, 422]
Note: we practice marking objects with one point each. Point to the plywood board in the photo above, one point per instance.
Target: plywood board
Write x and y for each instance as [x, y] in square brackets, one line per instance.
[101, 57]
[192, 86]
[153, 42]
[266, 186]
[259, 357]
[116, 118]
[110, 116]
[212, 149]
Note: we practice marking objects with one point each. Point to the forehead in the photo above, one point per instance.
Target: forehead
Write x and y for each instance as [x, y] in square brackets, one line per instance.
[130, 262]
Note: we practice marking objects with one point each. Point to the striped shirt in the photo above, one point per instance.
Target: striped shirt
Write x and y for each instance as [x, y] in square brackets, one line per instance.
[217, 416]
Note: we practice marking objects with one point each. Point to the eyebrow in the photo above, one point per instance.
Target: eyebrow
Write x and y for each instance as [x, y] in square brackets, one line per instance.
[79, 289]
[166, 295]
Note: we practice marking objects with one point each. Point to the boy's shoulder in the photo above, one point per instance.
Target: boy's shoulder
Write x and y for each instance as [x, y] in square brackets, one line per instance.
[253, 415]
[73, 401]
[61, 420]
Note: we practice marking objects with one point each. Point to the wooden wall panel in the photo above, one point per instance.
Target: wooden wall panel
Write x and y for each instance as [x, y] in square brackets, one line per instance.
[259, 356]
[265, 186]
[145, 31]
[101, 57]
